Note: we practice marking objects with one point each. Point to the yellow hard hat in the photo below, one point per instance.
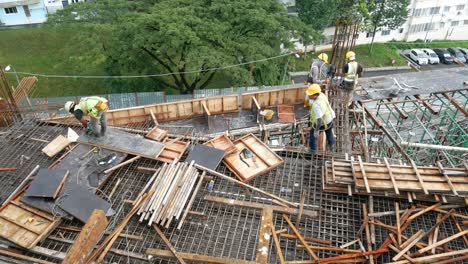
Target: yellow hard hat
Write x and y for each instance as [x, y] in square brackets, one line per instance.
[323, 56]
[313, 89]
[350, 54]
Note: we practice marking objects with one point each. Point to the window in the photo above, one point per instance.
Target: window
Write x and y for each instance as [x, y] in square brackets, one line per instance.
[434, 11]
[447, 9]
[369, 35]
[11, 10]
[27, 12]
[465, 22]
[385, 32]
[454, 23]
[442, 25]
[460, 7]
[421, 27]
[420, 12]
[400, 30]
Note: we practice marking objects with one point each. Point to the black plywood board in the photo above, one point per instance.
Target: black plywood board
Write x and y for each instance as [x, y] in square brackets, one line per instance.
[46, 183]
[80, 202]
[205, 156]
[83, 171]
[121, 141]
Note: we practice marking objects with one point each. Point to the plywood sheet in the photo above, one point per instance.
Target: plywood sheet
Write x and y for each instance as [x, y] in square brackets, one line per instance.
[263, 161]
[56, 145]
[82, 164]
[121, 141]
[81, 203]
[205, 156]
[174, 151]
[222, 142]
[286, 114]
[24, 225]
[47, 183]
[157, 134]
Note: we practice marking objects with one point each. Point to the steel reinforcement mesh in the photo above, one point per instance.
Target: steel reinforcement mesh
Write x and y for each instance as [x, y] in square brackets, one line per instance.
[225, 230]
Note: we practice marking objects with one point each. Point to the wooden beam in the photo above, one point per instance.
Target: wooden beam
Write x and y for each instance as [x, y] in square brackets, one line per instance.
[456, 104]
[418, 175]
[309, 239]
[363, 172]
[392, 177]
[433, 258]
[168, 244]
[215, 173]
[279, 252]
[301, 208]
[122, 164]
[402, 114]
[443, 241]
[427, 209]
[368, 233]
[8, 253]
[196, 258]
[427, 104]
[307, 248]
[87, 239]
[263, 245]
[259, 206]
[449, 182]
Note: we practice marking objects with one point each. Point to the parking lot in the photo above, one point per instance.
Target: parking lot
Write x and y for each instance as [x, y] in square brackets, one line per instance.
[426, 67]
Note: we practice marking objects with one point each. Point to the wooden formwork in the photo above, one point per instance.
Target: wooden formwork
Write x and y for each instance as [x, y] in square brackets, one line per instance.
[288, 96]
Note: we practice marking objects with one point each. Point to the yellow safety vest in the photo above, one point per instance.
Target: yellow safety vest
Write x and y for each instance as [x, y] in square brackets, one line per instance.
[325, 107]
[351, 75]
[92, 106]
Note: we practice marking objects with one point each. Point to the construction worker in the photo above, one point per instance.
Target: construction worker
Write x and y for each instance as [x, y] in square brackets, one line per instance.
[318, 69]
[352, 71]
[321, 117]
[95, 107]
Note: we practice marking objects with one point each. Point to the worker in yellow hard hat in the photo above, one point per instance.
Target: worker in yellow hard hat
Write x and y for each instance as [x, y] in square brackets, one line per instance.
[352, 71]
[319, 69]
[321, 117]
[95, 107]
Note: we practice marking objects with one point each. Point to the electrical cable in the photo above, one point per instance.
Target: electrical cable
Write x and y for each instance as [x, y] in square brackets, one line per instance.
[149, 75]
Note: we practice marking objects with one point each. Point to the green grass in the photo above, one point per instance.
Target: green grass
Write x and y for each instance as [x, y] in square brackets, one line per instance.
[49, 51]
[54, 51]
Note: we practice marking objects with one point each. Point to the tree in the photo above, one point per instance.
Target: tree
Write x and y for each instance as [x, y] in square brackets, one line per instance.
[189, 41]
[386, 14]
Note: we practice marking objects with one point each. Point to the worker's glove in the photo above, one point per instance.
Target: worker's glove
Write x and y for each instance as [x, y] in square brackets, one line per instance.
[89, 129]
[306, 102]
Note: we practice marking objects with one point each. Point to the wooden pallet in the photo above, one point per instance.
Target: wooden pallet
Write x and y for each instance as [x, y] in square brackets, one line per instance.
[25, 225]
[174, 151]
[348, 177]
[157, 134]
[222, 142]
[264, 158]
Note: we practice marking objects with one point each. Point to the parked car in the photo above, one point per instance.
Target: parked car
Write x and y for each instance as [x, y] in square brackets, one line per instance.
[444, 56]
[457, 54]
[464, 51]
[419, 57]
[433, 58]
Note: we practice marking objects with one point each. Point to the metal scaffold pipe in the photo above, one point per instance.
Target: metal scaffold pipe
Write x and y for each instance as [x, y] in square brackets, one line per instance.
[430, 146]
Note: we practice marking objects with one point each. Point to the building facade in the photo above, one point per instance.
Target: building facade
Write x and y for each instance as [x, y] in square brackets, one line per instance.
[22, 12]
[427, 20]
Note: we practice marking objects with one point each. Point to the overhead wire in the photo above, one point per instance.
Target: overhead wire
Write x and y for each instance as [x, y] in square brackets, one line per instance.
[150, 75]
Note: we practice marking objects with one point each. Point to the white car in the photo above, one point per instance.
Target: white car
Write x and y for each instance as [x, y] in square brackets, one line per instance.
[419, 56]
[433, 58]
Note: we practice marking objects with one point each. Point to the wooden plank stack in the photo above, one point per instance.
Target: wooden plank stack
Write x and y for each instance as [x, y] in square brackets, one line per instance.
[397, 181]
[172, 184]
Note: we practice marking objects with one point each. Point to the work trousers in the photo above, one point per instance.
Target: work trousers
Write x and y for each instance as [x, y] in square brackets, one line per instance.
[328, 133]
[99, 129]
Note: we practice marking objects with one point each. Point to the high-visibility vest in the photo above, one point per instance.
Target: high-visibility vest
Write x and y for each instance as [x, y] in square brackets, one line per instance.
[351, 75]
[325, 107]
[92, 106]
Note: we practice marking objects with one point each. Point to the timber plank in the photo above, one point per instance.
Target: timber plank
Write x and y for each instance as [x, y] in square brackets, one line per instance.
[56, 145]
[87, 239]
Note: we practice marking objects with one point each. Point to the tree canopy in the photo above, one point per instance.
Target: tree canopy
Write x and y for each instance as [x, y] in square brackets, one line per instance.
[188, 41]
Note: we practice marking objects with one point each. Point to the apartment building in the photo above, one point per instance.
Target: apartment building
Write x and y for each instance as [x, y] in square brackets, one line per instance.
[427, 20]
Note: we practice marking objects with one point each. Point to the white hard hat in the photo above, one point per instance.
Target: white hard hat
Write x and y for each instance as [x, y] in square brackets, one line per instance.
[69, 105]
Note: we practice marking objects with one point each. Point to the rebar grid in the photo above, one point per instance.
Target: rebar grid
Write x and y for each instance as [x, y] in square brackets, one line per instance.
[227, 231]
